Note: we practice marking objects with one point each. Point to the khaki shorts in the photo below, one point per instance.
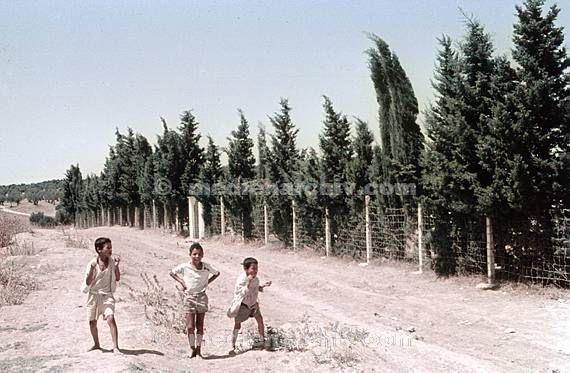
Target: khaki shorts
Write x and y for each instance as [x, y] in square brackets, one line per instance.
[195, 303]
[246, 312]
[100, 304]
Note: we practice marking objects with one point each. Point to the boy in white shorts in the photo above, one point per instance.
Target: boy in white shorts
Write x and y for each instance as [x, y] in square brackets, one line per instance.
[101, 276]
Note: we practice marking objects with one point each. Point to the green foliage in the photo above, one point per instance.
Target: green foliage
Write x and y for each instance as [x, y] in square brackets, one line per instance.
[144, 169]
[39, 219]
[284, 158]
[359, 168]
[90, 196]
[241, 170]
[542, 97]
[310, 211]
[400, 135]
[49, 191]
[336, 153]
[499, 135]
[71, 202]
[14, 196]
[263, 154]
[34, 196]
[126, 170]
[210, 175]
[192, 153]
[170, 164]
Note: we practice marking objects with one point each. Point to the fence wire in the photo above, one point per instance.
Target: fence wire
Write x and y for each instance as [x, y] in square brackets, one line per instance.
[528, 250]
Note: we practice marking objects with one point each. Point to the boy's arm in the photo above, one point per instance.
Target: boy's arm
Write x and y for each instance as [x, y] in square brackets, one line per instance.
[91, 275]
[117, 270]
[178, 279]
[268, 283]
[242, 285]
[215, 273]
[211, 279]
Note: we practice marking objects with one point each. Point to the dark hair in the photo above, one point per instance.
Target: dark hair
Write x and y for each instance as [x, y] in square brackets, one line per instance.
[100, 243]
[248, 262]
[196, 246]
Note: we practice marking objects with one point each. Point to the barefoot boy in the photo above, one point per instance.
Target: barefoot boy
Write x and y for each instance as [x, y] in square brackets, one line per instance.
[101, 276]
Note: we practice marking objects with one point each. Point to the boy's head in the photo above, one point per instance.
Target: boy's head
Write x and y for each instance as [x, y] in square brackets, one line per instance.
[196, 252]
[103, 246]
[250, 266]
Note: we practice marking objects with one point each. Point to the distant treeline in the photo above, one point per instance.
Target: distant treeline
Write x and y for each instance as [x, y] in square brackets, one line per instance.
[50, 191]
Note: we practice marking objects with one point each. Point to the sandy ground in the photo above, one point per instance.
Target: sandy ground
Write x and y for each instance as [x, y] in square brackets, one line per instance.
[376, 318]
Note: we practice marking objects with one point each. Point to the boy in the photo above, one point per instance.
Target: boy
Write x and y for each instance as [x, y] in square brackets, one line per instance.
[194, 278]
[245, 304]
[101, 276]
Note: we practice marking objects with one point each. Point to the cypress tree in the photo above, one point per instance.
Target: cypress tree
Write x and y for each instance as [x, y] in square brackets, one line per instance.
[284, 158]
[241, 171]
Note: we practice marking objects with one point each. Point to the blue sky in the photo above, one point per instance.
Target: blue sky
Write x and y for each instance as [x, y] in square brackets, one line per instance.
[72, 71]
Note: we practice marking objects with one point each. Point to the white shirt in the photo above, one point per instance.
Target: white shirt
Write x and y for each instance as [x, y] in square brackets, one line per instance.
[195, 280]
[104, 281]
[252, 291]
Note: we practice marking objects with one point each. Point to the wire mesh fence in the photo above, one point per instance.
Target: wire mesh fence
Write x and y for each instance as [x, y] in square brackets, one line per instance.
[535, 250]
[396, 234]
[526, 250]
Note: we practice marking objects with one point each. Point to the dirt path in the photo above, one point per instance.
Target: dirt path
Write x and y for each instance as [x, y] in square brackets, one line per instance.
[25, 208]
[375, 318]
[8, 211]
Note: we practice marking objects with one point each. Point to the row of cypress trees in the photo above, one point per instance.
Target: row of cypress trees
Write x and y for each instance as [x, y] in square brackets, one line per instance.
[497, 145]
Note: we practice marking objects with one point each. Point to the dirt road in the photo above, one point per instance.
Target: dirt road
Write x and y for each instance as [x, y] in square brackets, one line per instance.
[376, 318]
[9, 211]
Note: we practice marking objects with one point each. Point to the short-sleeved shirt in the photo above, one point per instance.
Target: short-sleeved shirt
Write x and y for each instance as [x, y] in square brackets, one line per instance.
[104, 281]
[196, 280]
[252, 290]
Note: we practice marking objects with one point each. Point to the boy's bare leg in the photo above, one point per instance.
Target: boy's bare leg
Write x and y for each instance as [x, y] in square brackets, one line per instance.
[190, 326]
[94, 334]
[260, 325]
[199, 332]
[237, 327]
[114, 332]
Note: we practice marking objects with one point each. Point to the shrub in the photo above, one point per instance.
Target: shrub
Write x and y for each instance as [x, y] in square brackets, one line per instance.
[38, 218]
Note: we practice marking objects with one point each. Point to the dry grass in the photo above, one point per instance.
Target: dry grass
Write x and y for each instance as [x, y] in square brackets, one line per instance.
[18, 248]
[336, 345]
[72, 239]
[158, 305]
[228, 239]
[9, 228]
[15, 285]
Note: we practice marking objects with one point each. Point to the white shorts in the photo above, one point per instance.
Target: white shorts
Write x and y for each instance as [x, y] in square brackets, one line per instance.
[100, 304]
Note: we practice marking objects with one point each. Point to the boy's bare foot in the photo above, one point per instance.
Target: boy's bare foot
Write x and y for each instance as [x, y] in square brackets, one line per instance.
[116, 351]
[94, 347]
